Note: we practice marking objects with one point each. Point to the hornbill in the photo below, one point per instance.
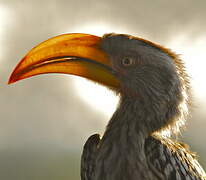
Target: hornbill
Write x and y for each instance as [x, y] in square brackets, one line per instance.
[154, 90]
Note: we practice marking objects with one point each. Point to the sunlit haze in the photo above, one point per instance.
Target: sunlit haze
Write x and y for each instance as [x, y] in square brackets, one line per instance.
[3, 17]
[193, 54]
[99, 97]
[98, 28]
[4, 13]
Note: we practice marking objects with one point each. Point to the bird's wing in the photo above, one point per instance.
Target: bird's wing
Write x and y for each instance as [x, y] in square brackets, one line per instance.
[173, 160]
[88, 157]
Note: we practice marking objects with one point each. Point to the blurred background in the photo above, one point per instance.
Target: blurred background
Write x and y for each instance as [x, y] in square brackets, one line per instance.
[45, 120]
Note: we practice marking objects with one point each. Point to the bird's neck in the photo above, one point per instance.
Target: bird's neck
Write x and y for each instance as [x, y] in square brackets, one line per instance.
[128, 125]
[122, 145]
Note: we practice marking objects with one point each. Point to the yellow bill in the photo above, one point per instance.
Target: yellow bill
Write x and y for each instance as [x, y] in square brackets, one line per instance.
[76, 54]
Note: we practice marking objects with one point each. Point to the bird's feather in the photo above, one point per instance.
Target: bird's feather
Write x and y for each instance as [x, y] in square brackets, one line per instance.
[88, 157]
[172, 159]
[168, 159]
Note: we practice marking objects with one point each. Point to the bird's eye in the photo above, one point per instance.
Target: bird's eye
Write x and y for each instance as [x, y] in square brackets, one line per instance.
[127, 61]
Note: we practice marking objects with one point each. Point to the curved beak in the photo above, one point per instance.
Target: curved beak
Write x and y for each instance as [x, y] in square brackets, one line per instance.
[76, 54]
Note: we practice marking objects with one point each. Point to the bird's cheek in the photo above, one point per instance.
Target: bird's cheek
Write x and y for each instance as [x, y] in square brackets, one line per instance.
[129, 87]
[119, 70]
[129, 92]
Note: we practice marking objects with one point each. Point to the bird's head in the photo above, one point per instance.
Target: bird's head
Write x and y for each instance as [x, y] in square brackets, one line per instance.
[136, 68]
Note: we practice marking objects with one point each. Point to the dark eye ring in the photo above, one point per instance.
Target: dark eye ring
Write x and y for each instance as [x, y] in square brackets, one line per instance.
[127, 61]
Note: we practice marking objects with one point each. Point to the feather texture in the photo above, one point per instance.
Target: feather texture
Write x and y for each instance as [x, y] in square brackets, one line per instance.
[166, 159]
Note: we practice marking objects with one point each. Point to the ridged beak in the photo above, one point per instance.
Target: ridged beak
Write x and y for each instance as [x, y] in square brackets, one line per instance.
[76, 54]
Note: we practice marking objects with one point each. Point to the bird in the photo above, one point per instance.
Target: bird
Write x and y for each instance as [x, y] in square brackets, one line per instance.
[140, 140]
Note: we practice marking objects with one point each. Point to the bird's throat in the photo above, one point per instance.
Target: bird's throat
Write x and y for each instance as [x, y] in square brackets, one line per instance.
[122, 145]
